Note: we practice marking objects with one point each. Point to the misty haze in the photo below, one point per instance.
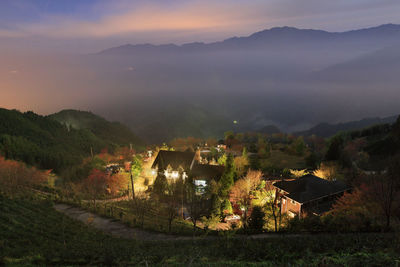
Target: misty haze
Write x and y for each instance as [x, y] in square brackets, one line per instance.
[287, 77]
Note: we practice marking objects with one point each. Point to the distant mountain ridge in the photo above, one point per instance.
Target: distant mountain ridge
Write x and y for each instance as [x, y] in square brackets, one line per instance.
[289, 36]
[281, 76]
[328, 130]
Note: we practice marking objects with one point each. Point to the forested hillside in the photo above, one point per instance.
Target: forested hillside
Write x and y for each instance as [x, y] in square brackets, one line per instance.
[49, 144]
[113, 132]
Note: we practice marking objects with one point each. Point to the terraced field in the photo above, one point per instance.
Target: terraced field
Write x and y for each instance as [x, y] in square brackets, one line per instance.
[32, 232]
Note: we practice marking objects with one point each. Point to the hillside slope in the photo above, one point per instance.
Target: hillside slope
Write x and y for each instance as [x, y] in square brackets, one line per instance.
[328, 130]
[114, 132]
[33, 233]
[46, 143]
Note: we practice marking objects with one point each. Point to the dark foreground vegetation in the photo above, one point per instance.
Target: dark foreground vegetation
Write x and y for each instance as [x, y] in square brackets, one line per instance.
[32, 232]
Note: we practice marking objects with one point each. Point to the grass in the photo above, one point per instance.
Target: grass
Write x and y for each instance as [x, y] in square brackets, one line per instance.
[33, 233]
[154, 217]
[282, 160]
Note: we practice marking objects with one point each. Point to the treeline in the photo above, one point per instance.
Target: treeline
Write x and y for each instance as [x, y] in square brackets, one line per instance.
[46, 143]
[112, 132]
[367, 149]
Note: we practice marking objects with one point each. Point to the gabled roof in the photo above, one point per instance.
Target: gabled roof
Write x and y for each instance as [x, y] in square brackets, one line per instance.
[310, 187]
[207, 172]
[174, 159]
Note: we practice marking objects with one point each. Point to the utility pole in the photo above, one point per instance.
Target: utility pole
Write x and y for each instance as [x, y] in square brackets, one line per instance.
[133, 186]
[183, 184]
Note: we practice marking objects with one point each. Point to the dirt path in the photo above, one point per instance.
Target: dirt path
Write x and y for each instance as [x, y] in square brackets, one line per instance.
[118, 229]
[115, 227]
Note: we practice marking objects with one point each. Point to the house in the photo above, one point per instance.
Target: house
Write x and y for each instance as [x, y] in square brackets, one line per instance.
[173, 164]
[176, 164]
[203, 174]
[308, 195]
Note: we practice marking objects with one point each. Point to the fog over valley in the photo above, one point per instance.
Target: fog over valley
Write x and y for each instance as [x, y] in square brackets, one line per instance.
[287, 77]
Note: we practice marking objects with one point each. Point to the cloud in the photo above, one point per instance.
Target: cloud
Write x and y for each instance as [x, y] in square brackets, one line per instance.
[146, 18]
[122, 18]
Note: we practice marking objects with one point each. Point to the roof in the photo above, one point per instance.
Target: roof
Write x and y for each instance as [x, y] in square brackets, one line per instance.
[174, 159]
[310, 187]
[207, 172]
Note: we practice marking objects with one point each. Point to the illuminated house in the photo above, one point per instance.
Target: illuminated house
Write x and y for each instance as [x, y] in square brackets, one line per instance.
[175, 165]
[308, 195]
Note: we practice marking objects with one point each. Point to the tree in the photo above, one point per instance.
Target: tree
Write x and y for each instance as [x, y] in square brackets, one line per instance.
[195, 203]
[226, 207]
[213, 190]
[271, 204]
[124, 153]
[385, 190]
[140, 206]
[160, 186]
[116, 183]
[172, 200]
[327, 171]
[298, 173]
[241, 192]
[95, 185]
[256, 220]
[312, 160]
[353, 211]
[240, 164]
[227, 178]
[17, 178]
[335, 148]
[299, 146]
[136, 170]
[222, 160]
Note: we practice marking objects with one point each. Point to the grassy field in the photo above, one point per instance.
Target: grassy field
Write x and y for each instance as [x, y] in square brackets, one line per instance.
[33, 233]
[282, 160]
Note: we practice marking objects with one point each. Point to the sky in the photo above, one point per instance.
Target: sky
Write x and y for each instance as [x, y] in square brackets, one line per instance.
[46, 63]
[96, 24]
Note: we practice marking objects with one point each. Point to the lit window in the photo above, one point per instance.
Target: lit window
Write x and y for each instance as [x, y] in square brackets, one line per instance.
[200, 183]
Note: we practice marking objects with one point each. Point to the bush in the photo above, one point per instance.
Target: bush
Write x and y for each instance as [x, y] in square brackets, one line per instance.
[256, 220]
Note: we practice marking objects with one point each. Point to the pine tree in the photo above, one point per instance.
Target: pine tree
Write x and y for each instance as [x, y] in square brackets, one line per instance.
[227, 179]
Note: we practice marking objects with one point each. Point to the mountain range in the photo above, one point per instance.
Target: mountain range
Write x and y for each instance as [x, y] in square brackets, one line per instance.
[284, 37]
[288, 77]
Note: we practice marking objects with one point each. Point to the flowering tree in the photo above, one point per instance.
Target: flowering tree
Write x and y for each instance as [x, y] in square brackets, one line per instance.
[95, 185]
[241, 192]
[16, 177]
[353, 211]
